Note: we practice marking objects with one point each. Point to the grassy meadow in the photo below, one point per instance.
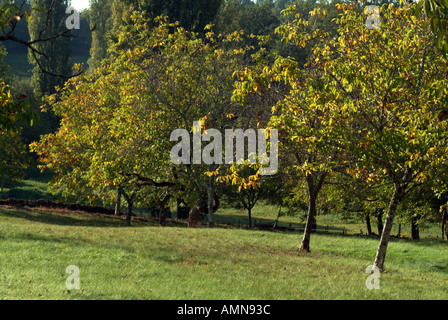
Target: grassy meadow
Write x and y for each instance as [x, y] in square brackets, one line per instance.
[146, 261]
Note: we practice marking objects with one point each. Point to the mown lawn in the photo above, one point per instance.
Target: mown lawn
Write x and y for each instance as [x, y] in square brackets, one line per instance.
[146, 261]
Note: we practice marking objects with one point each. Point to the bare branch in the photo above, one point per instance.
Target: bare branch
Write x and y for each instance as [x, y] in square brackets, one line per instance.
[10, 36]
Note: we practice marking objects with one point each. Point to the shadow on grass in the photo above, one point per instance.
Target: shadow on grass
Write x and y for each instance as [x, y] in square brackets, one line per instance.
[33, 187]
[69, 218]
[241, 221]
[27, 194]
[28, 190]
[47, 239]
[440, 268]
[422, 242]
[60, 218]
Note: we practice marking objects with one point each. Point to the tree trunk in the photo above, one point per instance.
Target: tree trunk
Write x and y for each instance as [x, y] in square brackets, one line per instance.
[130, 203]
[118, 203]
[249, 212]
[3, 182]
[162, 216]
[193, 217]
[314, 225]
[305, 247]
[414, 227]
[314, 183]
[129, 212]
[380, 225]
[397, 196]
[210, 196]
[369, 226]
[278, 217]
[182, 211]
[211, 199]
[446, 226]
[444, 223]
[163, 209]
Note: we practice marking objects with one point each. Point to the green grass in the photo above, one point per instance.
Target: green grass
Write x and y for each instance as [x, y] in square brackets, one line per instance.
[146, 261]
[27, 190]
[33, 187]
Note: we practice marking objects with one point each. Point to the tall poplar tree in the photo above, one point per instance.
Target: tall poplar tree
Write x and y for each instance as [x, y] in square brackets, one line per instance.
[193, 15]
[107, 16]
[101, 22]
[55, 55]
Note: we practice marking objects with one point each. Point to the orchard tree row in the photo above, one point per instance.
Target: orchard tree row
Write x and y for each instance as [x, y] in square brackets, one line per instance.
[360, 115]
[361, 122]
